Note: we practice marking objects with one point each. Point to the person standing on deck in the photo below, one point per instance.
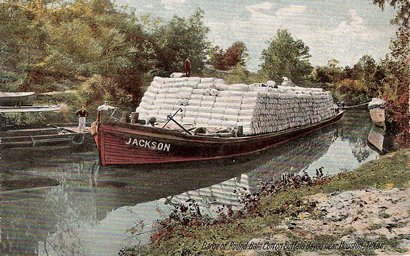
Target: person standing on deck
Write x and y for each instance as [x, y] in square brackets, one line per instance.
[82, 114]
[187, 67]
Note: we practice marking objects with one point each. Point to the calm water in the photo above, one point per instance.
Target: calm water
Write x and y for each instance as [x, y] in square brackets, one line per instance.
[61, 202]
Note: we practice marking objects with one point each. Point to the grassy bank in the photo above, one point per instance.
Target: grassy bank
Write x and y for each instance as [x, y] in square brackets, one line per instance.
[280, 214]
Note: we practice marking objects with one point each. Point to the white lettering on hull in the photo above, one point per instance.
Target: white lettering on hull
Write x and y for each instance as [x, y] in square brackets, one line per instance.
[149, 144]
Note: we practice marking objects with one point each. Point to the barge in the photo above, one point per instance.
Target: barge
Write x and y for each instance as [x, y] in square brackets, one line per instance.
[196, 119]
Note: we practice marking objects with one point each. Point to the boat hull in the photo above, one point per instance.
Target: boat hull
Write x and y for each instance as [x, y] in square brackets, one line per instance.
[17, 98]
[41, 137]
[126, 144]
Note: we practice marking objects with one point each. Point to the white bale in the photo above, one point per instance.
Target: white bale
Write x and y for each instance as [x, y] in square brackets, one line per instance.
[205, 86]
[188, 120]
[246, 112]
[246, 119]
[221, 86]
[201, 121]
[237, 94]
[270, 83]
[174, 91]
[232, 111]
[196, 96]
[233, 105]
[158, 79]
[205, 110]
[219, 104]
[194, 78]
[218, 116]
[223, 94]
[183, 102]
[209, 98]
[248, 131]
[250, 94]
[235, 99]
[207, 79]
[230, 118]
[214, 92]
[218, 110]
[239, 87]
[164, 112]
[207, 104]
[177, 75]
[251, 102]
[199, 91]
[229, 123]
[215, 122]
[195, 102]
[172, 101]
[190, 84]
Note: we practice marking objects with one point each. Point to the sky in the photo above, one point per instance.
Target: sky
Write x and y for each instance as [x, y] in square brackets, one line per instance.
[333, 29]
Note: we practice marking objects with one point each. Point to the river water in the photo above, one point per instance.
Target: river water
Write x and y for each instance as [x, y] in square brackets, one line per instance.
[60, 202]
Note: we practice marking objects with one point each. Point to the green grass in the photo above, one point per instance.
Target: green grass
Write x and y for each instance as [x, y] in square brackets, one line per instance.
[391, 170]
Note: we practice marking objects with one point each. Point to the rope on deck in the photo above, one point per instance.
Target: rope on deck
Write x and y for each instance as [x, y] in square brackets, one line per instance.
[80, 142]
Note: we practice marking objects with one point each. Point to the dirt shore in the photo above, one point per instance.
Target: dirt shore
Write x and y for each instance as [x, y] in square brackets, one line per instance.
[362, 212]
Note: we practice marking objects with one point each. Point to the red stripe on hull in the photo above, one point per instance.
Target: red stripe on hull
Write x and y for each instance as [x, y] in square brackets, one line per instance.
[125, 144]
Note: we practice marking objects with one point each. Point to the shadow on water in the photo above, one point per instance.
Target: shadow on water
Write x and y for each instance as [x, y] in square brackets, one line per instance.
[78, 193]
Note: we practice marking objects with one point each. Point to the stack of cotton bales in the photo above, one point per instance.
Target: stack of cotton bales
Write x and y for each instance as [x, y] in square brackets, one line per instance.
[209, 102]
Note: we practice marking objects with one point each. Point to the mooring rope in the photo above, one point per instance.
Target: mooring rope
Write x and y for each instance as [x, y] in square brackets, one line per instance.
[355, 106]
[78, 143]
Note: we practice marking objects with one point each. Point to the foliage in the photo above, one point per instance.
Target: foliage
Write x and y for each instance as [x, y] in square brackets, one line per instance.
[286, 57]
[352, 91]
[97, 89]
[181, 38]
[397, 66]
[45, 44]
[235, 55]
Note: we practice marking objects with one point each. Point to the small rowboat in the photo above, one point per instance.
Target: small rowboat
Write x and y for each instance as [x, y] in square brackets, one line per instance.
[17, 98]
[23, 138]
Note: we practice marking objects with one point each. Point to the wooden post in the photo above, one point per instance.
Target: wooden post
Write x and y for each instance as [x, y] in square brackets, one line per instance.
[134, 117]
[124, 116]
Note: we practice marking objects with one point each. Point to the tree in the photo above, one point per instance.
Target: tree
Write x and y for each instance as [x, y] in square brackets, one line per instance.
[217, 58]
[286, 56]
[182, 38]
[18, 42]
[397, 67]
[235, 55]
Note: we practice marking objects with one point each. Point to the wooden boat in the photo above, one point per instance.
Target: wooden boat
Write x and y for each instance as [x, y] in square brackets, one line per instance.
[23, 138]
[121, 143]
[17, 98]
[377, 111]
[29, 109]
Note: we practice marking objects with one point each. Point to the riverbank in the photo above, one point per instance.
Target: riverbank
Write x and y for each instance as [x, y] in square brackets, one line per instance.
[365, 211]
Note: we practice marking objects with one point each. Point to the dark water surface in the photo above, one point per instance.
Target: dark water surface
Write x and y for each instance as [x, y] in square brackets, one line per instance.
[60, 202]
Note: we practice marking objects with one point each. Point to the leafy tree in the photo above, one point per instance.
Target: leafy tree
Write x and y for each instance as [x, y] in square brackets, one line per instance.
[236, 54]
[217, 58]
[17, 43]
[327, 74]
[229, 59]
[397, 68]
[89, 41]
[181, 38]
[286, 56]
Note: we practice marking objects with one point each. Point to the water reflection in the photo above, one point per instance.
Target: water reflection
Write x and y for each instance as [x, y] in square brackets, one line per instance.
[92, 208]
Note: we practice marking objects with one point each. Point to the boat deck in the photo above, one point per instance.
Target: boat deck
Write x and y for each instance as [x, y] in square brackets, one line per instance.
[47, 136]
